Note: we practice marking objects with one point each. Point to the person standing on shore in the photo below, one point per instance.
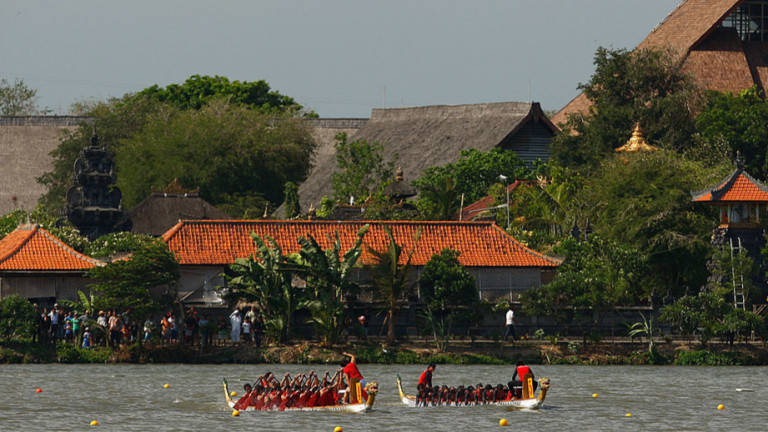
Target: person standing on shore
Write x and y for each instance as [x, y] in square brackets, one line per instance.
[510, 323]
[236, 322]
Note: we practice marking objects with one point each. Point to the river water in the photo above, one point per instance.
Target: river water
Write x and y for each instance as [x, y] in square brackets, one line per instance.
[133, 398]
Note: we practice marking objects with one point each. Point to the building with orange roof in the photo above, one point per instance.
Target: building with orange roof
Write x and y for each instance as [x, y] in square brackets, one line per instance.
[739, 199]
[722, 44]
[35, 264]
[502, 266]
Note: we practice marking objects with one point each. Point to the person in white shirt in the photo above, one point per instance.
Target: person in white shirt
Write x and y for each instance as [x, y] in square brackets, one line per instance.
[236, 323]
[510, 322]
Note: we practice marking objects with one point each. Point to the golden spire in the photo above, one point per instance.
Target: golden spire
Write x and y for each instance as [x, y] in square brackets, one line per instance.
[637, 143]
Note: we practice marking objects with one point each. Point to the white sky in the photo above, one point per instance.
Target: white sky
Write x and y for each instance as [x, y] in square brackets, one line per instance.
[340, 58]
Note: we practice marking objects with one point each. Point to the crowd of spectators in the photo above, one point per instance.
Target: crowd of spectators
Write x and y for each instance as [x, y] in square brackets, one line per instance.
[115, 328]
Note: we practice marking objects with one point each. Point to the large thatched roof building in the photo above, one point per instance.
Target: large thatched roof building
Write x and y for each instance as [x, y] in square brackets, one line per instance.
[723, 44]
[25, 147]
[435, 135]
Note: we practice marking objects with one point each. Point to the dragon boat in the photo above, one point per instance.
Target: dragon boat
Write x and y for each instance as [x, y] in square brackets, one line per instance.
[527, 399]
[371, 390]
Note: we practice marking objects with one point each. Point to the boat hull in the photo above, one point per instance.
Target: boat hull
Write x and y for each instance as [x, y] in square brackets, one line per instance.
[530, 403]
[348, 408]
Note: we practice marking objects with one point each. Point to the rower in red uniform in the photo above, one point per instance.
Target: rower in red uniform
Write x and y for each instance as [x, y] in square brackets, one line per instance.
[426, 376]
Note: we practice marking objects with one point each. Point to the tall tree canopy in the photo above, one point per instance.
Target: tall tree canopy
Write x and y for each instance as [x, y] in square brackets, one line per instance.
[239, 154]
[440, 187]
[198, 90]
[645, 86]
[741, 120]
[360, 169]
[18, 100]
[643, 200]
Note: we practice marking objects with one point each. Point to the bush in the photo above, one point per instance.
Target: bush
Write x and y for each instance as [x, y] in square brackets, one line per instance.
[17, 317]
[68, 353]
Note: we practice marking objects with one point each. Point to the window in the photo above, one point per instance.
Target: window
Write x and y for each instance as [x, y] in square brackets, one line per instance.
[749, 20]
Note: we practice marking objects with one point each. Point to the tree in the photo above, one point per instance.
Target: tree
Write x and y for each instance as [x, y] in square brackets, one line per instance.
[360, 169]
[126, 284]
[643, 85]
[18, 100]
[643, 201]
[228, 151]
[741, 120]
[329, 279]
[117, 243]
[597, 276]
[449, 292]
[157, 122]
[197, 91]
[66, 233]
[391, 276]
[440, 188]
[708, 315]
[17, 317]
[264, 279]
[292, 204]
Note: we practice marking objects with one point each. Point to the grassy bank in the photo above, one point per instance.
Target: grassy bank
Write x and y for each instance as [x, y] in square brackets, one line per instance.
[490, 353]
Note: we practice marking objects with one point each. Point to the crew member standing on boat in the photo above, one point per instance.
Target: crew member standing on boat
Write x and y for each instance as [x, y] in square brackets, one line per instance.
[520, 370]
[353, 376]
[426, 376]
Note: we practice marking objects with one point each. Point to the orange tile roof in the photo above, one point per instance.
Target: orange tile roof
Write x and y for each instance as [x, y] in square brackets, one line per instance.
[31, 248]
[482, 244]
[737, 187]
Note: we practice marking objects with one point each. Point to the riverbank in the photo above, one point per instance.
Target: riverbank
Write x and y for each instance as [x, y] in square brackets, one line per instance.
[460, 352]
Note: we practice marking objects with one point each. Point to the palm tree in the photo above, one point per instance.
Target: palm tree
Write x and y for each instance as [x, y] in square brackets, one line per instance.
[329, 279]
[266, 280]
[390, 277]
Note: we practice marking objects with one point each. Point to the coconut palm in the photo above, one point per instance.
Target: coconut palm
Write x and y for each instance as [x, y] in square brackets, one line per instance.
[391, 276]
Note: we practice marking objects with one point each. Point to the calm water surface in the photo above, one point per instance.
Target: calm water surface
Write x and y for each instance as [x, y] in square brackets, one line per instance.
[132, 398]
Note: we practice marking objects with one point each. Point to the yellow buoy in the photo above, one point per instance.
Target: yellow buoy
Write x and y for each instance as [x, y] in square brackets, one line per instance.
[233, 394]
[503, 422]
[721, 407]
[337, 429]
[594, 395]
[167, 386]
[235, 413]
[95, 423]
[629, 414]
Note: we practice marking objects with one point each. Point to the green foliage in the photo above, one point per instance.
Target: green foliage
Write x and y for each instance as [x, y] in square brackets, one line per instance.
[327, 204]
[709, 314]
[206, 147]
[449, 292]
[643, 201]
[292, 204]
[17, 317]
[646, 328]
[543, 212]
[597, 276]
[126, 284]
[200, 132]
[741, 121]
[440, 188]
[642, 85]
[707, 358]
[117, 243]
[68, 353]
[67, 234]
[18, 100]
[329, 279]
[265, 280]
[198, 90]
[391, 274]
[360, 169]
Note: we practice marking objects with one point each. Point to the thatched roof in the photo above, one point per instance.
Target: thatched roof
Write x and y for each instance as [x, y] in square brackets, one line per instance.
[25, 146]
[715, 56]
[430, 136]
[161, 211]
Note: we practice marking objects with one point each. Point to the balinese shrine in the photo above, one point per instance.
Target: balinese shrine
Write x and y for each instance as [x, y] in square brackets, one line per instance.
[740, 199]
[94, 204]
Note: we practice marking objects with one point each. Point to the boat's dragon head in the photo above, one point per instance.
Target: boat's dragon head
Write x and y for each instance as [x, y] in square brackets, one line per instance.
[544, 383]
[372, 387]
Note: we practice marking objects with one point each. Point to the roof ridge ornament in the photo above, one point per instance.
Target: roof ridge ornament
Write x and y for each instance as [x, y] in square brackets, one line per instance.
[739, 161]
[636, 143]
